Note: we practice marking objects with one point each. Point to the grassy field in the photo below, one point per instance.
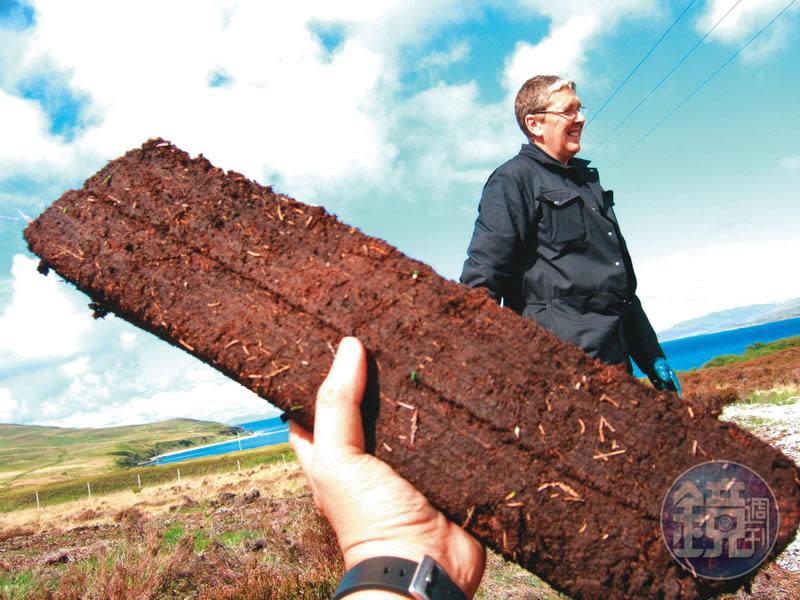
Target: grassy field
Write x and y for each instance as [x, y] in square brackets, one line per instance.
[34, 455]
[205, 538]
[754, 351]
[118, 478]
[246, 534]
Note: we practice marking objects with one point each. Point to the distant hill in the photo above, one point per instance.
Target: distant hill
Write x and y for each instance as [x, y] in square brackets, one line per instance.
[733, 318]
[31, 453]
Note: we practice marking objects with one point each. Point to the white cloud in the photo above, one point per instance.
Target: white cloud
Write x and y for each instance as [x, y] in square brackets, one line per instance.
[76, 367]
[93, 380]
[790, 163]
[42, 320]
[13, 47]
[562, 52]
[477, 135]
[747, 19]
[389, 25]
[576, 27]
[291, 110]
[454, 54]
[108, 388]
[28, 148]
[127, 340]
[8, 406]
[743, 21]
[710, 279]
[215, 400]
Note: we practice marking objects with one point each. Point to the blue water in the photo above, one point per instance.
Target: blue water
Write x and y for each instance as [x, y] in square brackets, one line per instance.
[264, 426]
[693, 352]
[264, 433]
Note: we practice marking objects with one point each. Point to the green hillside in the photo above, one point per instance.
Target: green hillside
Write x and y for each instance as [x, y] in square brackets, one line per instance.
[33, 454]
[756, 350]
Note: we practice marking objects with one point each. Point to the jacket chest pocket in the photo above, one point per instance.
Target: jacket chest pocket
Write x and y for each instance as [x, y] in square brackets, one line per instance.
[562, 221]
[608, 199]
[608, 204]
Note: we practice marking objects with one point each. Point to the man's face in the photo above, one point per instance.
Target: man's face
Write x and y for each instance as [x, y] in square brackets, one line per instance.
[560, 133]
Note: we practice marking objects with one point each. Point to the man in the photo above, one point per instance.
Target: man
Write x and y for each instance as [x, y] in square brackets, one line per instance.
[547, 242]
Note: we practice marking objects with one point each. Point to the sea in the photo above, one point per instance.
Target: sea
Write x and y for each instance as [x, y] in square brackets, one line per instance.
[693, 352]
[258, 434]
[682, 354]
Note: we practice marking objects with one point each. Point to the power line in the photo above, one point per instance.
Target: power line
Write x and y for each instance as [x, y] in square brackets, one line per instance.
[702, 85]
[641, 62]
[667, 76]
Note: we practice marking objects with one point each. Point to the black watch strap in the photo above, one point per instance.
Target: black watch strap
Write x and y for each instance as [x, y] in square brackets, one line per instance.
[426, 580]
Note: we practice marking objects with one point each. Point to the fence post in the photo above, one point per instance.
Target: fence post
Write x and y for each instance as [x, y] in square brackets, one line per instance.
[89, 488]
[37, 501]
[179, 475]
[238, 466]
[139, 480]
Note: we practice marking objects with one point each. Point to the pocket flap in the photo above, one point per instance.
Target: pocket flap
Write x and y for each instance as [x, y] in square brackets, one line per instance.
[608, 198]
[559, 197]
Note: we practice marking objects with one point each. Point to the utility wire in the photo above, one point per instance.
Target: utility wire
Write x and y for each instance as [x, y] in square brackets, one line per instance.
[667, 76]
[702, 85]
[641, 62]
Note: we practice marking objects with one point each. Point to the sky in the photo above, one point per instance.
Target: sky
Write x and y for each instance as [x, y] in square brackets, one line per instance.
[392, 115]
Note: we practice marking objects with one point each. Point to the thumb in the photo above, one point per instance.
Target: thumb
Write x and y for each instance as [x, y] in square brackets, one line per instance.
[337, 424]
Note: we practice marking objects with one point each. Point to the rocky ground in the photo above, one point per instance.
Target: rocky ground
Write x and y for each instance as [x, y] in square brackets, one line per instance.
[763, 396]
[775, 419]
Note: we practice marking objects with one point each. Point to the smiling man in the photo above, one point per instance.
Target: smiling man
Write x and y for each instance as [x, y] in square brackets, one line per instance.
[547, 243]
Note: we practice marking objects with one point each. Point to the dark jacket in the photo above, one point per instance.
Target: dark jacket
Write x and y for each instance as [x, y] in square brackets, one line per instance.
[547, 243]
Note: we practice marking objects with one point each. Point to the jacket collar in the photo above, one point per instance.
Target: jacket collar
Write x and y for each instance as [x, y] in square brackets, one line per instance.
[536, 153]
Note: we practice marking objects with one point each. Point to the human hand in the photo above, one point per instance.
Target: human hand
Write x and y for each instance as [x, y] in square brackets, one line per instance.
[373, 511]
[664, 378]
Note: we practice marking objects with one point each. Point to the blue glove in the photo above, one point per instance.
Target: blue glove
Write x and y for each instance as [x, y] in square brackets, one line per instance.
[664, 378]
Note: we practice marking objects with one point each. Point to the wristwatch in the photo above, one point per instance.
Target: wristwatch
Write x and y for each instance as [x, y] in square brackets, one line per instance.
[426, 580]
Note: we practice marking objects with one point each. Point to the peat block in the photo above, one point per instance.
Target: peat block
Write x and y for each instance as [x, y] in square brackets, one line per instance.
[556, 460]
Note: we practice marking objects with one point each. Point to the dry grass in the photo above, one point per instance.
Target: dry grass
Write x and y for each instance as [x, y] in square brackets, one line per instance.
[772, 583]
[16, 531]
[133, 571]
[206, 540]
[155, 500]
[306, 564]
[303, 563]
[508, 581]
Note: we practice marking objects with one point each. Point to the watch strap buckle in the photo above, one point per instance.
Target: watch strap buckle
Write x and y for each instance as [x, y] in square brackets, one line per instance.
[423, 578]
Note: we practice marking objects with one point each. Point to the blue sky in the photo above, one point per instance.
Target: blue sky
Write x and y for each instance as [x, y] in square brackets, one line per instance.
[391, 116]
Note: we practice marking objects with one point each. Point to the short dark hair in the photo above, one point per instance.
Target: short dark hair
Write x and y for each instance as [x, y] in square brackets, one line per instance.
[534, 95]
